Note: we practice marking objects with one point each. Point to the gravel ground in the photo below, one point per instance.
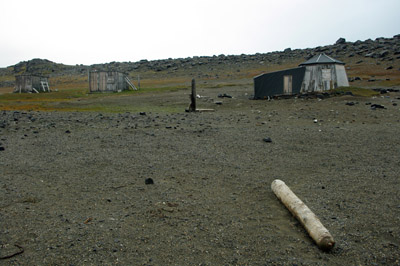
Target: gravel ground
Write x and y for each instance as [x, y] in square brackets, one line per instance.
[73, 185]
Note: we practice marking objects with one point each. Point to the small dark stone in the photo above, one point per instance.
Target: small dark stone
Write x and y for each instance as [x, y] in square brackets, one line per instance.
[67, 131]
[142, 113]
[377, 106]
[2, 149]
[267, 139]
[388, 68]
[350, 103]
[394, 104]
[218, 103]
[348, 93]
[149, 181]
[323, 187]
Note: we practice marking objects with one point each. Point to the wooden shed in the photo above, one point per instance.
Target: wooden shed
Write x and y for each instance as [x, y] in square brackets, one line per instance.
[323, 73]
[31, 84]
[109, 81]
[320, 73]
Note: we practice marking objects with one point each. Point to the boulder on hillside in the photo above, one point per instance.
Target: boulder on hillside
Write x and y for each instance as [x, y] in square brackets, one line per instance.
[341, 41]
[383, 53]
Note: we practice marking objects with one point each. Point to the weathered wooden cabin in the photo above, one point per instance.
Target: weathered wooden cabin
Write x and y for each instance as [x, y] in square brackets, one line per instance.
[320, 73]
[323, 73]
[31, 84]
[109, 81]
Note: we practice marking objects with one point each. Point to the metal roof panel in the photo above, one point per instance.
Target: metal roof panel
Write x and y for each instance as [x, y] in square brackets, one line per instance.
[321, 59]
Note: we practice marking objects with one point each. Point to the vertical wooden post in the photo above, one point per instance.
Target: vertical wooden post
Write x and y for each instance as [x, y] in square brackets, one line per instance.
[138, 78]
[192, 107]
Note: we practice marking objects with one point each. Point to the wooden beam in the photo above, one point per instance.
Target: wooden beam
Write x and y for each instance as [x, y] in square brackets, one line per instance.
[305, 216]
[192, 106]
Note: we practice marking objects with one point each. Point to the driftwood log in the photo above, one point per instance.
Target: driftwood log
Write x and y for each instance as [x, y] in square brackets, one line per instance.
[307, 218]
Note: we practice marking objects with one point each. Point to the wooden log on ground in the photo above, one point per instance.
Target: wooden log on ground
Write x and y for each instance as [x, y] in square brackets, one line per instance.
[307, 218]
[205, 110]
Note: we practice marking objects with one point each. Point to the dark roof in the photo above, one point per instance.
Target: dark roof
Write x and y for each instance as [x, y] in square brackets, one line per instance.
[321, 59]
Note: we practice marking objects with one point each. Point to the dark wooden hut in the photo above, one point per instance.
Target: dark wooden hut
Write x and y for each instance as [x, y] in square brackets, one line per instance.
[318, 74]
[109, 81]
[31, 84]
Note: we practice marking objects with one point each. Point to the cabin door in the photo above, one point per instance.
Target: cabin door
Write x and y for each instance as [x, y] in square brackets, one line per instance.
[287, 84]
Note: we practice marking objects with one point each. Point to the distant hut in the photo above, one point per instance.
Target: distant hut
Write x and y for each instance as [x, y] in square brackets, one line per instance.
[31, 84]
[320, 73]
[323, 73]
[109, 81]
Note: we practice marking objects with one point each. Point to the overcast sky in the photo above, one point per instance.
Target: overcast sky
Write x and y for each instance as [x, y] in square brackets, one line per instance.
[98, 31]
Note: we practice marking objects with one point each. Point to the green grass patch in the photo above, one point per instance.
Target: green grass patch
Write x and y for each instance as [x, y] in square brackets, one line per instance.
[161, 89]
[356, 91]
[69, 100]
[219, 85]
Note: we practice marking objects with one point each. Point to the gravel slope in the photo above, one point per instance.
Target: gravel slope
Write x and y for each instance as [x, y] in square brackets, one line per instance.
[73, 192]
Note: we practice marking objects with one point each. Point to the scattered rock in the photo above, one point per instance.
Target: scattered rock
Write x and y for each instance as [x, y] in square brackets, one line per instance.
[149, 181]
[389, 67]
[142, 113]
[224, 96]
[383, 53]
[350, 103]
[267, 139]
[2, 149]
[218, 103]
[371, 55]
[68, 131]
[377, 106]
[341, 41]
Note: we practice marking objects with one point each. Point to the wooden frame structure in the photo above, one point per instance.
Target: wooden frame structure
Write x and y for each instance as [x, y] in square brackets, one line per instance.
[109, 81]
[27, 83]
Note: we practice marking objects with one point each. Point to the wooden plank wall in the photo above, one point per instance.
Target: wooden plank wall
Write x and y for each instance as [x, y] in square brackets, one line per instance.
[26, 83]
[107, 81]
[323, 77]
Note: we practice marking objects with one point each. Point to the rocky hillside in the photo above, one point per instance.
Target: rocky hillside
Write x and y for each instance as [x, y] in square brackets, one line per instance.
[381, 51]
